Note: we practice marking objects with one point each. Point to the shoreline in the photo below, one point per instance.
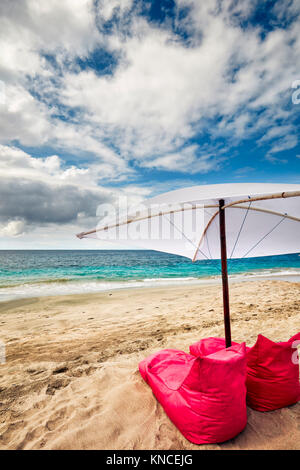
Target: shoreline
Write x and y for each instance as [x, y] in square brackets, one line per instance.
[139, 284]
[71, 377]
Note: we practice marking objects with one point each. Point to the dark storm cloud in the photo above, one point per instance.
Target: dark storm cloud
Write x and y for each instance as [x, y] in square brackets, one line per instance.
[40, 203]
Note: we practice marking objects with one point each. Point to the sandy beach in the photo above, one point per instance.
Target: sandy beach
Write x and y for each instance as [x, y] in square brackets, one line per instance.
[71, 377]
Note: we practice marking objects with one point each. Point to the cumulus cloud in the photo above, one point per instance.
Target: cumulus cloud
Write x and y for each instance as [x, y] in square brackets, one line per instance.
[37, 191]
[177, 96]
[163, 90]
[187, 160]
[13, 228]
[38, 43]
[60, 27]
[38, 202]
[157, 94]
[43, 191]
[284, 143]
[107, 8]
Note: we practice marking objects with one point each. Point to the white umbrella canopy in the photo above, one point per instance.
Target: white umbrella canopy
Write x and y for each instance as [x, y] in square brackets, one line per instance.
[261, 220]
[185, 222]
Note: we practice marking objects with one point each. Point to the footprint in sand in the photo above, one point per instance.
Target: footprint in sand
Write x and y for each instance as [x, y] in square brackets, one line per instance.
[55, 385]
[60, 370]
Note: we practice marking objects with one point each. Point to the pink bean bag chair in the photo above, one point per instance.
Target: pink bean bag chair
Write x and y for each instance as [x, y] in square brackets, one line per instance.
[272, 371]
[205, 397]
[272, 374]
[210, 345]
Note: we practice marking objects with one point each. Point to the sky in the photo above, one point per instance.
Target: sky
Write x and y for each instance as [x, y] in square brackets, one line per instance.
[103, 101]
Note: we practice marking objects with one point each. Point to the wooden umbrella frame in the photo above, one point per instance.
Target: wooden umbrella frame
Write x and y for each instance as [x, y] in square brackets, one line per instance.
[198, 206]
[221, 207]
[221, 212]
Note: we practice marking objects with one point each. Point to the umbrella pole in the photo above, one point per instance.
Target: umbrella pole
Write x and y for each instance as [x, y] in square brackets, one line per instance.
[224, 274]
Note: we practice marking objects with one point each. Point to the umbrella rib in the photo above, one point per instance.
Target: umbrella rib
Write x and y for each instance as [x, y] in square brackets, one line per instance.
[283, 195]
[138, 219]
[241, 228]
[208, 246]
[270, 231]
[207, 240]
[231, 205]
[182, 233]
[266, 211]
[203, 234]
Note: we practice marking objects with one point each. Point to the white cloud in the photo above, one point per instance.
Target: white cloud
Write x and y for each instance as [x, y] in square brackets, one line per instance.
[14, 228]
[30, 27]
[281, 138]
[39, 196]
[285, 143]
[164, 92]
[277, 131]
[287, 10]
[16, 163]
[107, 8]
[158, 92]
[67, 30]
[186, 160]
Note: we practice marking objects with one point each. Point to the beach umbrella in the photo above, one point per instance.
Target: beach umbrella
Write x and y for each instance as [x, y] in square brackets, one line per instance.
[211, 222]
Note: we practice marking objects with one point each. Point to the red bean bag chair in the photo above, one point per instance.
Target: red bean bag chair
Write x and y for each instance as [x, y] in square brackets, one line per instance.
[205, 397]
[272, 371]
[272, 374]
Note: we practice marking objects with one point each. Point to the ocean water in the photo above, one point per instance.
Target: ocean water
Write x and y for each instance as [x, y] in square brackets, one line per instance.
[33, 273]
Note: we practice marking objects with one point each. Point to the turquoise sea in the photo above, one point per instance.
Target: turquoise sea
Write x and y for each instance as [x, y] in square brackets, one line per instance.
[33, 273]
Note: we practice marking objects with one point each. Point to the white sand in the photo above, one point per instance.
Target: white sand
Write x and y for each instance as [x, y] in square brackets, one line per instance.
[71, 378]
